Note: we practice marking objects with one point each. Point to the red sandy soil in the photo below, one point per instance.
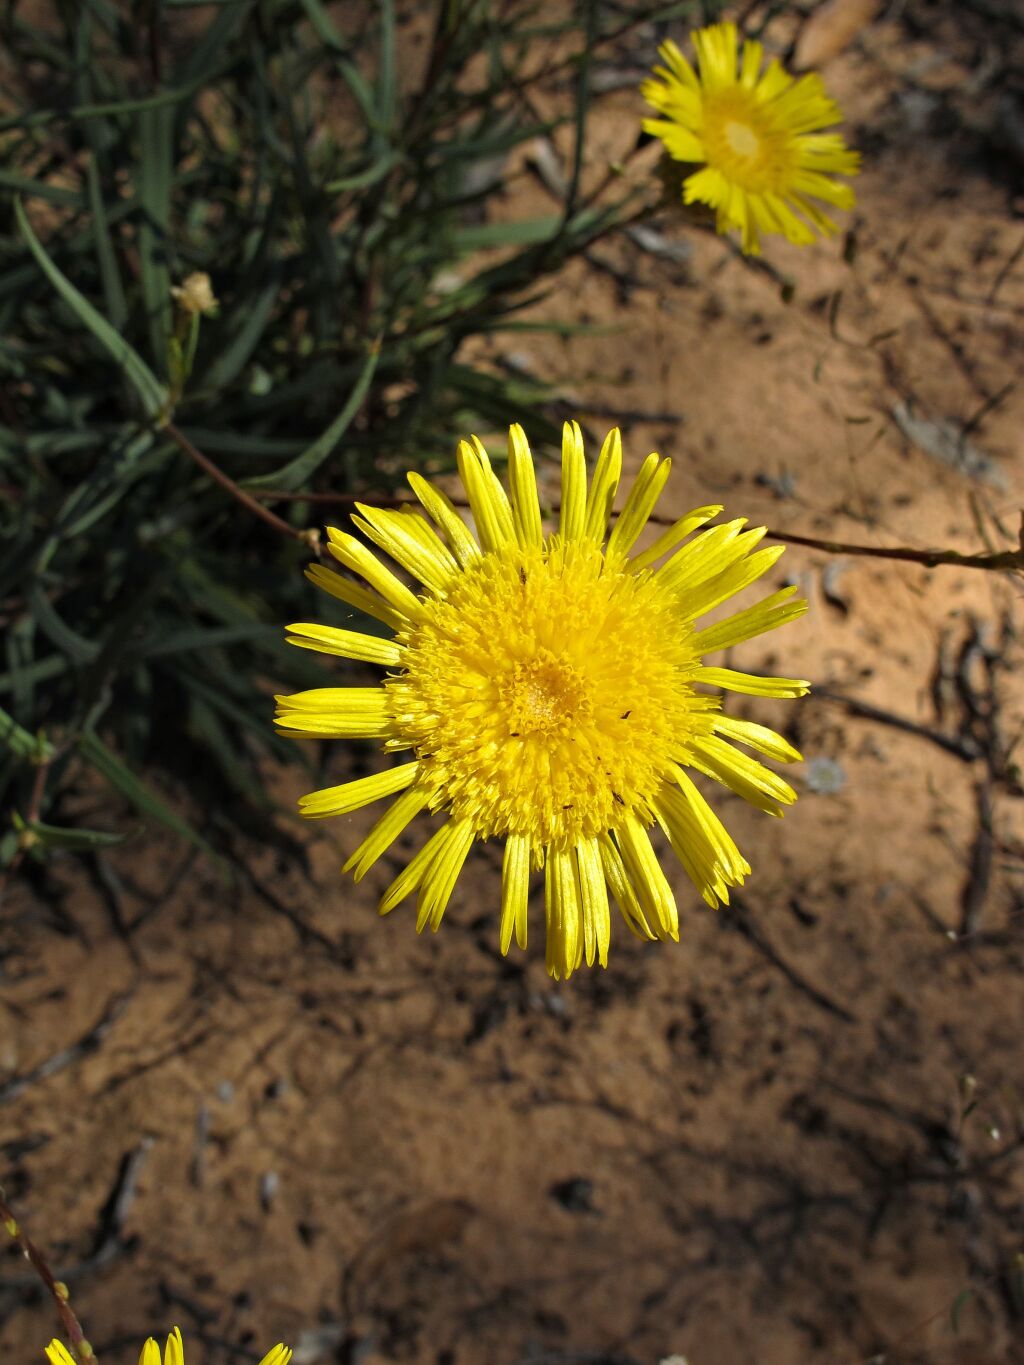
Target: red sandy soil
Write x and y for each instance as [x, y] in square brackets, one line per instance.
[797, 1136]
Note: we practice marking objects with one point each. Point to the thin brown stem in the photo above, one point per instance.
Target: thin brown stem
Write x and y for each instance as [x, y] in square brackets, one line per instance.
[57, 1290]
[1001, 561]
[309, 537]
[998, 561]
[335, 499]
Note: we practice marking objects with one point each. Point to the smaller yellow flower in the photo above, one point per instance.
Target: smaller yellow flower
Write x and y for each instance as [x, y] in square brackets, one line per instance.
[58, 1353]
[756, 137]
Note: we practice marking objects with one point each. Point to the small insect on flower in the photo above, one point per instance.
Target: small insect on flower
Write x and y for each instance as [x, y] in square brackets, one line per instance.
[756, 137]
[173, 1353]
[549, 690]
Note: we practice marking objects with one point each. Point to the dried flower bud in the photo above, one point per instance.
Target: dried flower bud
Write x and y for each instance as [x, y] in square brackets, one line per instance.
[194, 296]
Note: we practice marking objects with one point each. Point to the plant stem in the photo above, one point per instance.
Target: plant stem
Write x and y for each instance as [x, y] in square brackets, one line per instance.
[58, 1291]
[999, 561]
[309, 538]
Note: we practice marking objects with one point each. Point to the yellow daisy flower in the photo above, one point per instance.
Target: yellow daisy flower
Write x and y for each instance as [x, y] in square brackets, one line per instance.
[549, 688]
[173, 1353]
[757, 137]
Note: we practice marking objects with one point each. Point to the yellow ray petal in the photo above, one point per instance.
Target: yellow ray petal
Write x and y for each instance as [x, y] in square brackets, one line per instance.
[487, 500]
[691, 846]
[734, 867]
[347, 644]
[573, 514]
[646, 491]
[355, 556]
[622, 890]
[387, 829]
[410, 542]
[442, 874]
[438, 505]
[741, 774]
[515, 890]
[355, 595]
[594, 901]
[757, 737]
[773, 611]
[174, 1352]
[646, 876]
[335, 712]
[604, 485]
[350, 796]
[752, 684]
[704, 555]
[704, 597]
[410, 877]
[670, 538]
[562, 912]
[523, 483]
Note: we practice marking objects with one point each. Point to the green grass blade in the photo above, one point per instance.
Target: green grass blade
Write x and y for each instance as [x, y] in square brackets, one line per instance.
[113, 290]
[151, 393]
[156, 130]
[296, 473]
[143, 798]
[20, 742]
[78, 840]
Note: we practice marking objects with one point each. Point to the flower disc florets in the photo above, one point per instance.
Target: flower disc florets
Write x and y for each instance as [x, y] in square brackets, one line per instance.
[547, 688]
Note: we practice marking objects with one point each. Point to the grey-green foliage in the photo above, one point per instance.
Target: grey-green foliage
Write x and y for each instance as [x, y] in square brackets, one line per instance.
[334, 180]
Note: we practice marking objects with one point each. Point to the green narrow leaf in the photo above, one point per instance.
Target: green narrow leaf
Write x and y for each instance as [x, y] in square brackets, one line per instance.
[305, 465]
[113, 290]
[26, 674]
[21, 184]
[156, 128]
[52, 836]
[255, 317]
[209, 637]
[106, 762]
[370, 176]
[151, 393]
[322, 25]
[57, 630]
[959, 1304]
[21, 743]
[523, 233]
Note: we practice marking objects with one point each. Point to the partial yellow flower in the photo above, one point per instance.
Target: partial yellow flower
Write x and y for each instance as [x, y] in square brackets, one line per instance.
[58, 1353]
[551, 692]
[757, 137]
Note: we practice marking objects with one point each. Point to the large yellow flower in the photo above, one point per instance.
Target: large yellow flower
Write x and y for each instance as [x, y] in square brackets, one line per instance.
[550, 689]
[173, 1353]
[757, 138]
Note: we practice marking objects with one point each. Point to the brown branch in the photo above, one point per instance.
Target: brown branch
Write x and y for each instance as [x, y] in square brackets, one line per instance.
[344, 499]
[310, 538]
[57, 1289]
[999, 561]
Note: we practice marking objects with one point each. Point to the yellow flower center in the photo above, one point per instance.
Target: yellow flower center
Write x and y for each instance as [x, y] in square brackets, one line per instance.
[744, 142]
[742, 139]
[547, 693]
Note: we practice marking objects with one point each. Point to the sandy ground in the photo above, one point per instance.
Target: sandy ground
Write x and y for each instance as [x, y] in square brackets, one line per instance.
[796, 1137]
